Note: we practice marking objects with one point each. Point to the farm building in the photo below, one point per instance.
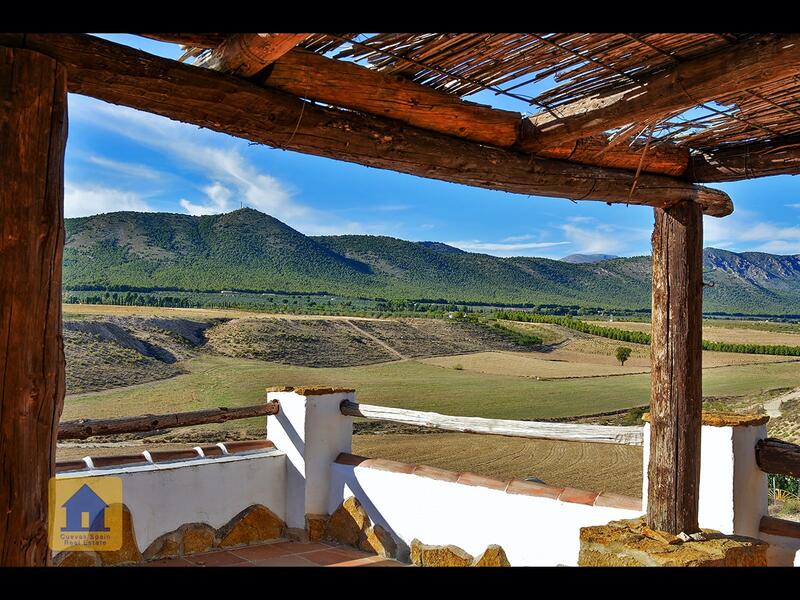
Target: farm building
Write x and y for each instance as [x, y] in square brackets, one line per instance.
[636, 119]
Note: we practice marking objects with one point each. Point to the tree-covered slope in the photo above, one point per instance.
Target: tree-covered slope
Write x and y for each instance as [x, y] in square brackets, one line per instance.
[248, 250]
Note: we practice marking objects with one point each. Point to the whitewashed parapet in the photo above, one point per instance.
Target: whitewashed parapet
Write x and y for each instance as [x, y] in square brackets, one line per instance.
[600, 434]
[172, 488]
[535, 524]
[312, 432]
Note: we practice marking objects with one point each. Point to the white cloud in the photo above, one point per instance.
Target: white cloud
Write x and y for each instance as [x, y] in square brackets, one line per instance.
[796, 205]
[518, 238]
[500, 248]
[225, 166]
[389, 207]
[84, 200]
[741, 227]
[125, 168]
[220, 198]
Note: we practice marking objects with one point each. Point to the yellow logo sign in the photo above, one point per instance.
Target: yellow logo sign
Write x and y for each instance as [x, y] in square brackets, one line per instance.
[85, 514]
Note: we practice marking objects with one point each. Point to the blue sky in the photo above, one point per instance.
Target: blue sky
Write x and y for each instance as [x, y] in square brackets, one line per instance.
[122, 159]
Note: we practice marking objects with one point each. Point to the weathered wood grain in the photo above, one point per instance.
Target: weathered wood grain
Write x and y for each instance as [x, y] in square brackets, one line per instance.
[201, 40]
[348, 85]
[682, 86]
[222, 102]
[33, 134]
[676, 370]
[782, 527]
[84, 428]
[666, 159]
[245, 54]
[777, 456]
[734, 162]
[600, 434]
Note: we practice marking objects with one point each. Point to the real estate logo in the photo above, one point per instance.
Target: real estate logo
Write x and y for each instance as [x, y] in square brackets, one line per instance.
[85, 514]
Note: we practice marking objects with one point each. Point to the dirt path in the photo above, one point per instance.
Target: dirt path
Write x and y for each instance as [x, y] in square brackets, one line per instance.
[378, 341]
[773, 407]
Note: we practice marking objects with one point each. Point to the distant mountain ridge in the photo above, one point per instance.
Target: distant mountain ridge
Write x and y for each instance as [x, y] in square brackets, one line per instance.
[249, 250]
[588, 258]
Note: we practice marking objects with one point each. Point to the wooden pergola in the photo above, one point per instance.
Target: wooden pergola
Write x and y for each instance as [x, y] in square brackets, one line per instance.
[614, 127]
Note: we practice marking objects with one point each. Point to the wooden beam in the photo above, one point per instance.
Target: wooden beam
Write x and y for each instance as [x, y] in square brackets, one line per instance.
[781, 527]
[777, 456]
[84, 428]
[229, 104]
[196, 40]
[349, 85]
[570, 432]
[665, 159]
[245, 54]
[33, 134]
[734, 162]
[682, 86]
[676, 351]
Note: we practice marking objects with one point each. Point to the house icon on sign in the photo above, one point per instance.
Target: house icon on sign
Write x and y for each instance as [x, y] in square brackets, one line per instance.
[85, 511]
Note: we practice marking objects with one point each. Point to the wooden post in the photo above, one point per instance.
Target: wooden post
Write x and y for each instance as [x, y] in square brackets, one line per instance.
[33, 131]
[676, 394]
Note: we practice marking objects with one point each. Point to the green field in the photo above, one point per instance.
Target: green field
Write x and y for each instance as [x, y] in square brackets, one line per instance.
[222, 381]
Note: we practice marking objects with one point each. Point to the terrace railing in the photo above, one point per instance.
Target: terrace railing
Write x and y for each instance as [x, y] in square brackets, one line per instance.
[782, 458]
[84, 428]
[601, 434]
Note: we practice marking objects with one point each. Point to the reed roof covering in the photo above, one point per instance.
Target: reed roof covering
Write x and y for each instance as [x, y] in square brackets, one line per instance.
[572, 67]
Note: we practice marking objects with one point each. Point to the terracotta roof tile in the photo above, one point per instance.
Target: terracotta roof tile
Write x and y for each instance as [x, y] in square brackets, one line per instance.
[532, 488]
[70, 465]
[434, 473]
[578, 496]
[481, 481]
[248, 446]
[613, 500]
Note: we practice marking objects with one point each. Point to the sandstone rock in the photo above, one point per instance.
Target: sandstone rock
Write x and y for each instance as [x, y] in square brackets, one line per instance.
[256, 523]
[76, 559]
[315, 527]
[624, 543]
[348, 523]
[165, 546]
[129, 552]
[378, 540]
[197, 537]
[493, 556]
[661, 536]
[423, 555]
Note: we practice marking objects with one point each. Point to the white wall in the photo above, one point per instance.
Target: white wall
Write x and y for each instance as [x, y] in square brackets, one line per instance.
[533, 531]
[733, 490]
[164, 496]
[782, 551]
[312, 431]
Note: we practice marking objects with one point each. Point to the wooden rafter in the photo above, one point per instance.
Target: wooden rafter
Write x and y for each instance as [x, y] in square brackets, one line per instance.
[245, 54]
[200, 40]
[734, 162]
[352, 86]
[689, 83]
[229, 104]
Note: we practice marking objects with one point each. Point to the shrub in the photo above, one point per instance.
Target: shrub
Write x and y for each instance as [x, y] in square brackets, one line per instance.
[791, 507]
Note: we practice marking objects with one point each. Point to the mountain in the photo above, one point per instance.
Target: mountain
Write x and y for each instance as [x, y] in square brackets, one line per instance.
[248, 250]
[440, 247]
[587, 258]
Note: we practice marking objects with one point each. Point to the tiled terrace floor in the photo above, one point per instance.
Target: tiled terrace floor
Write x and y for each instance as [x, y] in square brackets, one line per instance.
[282, 553]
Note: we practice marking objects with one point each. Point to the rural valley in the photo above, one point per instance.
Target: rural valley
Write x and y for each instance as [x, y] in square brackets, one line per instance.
[130, 351]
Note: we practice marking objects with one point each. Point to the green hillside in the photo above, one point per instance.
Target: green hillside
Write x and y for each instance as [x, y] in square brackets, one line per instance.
[248, 250]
